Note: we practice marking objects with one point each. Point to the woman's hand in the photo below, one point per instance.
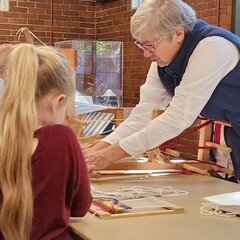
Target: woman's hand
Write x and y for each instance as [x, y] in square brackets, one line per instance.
[100, 145]
[100, 159]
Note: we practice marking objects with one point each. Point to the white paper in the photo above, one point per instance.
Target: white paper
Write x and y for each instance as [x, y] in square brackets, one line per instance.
[83, 108]
[232, 198]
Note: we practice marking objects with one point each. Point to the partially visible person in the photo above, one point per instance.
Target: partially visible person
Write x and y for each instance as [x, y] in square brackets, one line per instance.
[43, 174]
[195, 70]
[5, 49]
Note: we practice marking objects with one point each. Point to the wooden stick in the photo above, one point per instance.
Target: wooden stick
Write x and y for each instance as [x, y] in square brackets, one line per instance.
[27, 35]
[195, 169]
[173, 153]
[121, 177]
[218, 146]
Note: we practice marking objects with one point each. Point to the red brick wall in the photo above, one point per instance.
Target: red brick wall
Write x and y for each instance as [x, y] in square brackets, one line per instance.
[49, 20]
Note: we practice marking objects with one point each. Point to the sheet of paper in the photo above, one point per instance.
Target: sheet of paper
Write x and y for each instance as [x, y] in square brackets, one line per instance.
[232, 198]
[83, 108]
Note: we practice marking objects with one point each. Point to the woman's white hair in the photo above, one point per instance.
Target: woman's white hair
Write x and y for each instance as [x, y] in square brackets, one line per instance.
[161, 18]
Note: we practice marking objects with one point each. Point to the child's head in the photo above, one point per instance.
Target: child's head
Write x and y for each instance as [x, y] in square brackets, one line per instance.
[40, 75]
[39, 85]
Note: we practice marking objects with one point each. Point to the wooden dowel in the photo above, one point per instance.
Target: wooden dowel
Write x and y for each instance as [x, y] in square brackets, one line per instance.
[218, 146]
[195, 169]
[173, 153]
[27, 36]
[122, 177]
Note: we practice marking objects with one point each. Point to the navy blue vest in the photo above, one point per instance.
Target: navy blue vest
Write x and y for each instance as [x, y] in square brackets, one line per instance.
[224, 104]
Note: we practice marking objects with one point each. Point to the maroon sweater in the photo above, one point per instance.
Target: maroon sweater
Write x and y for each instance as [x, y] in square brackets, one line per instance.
[60, 182]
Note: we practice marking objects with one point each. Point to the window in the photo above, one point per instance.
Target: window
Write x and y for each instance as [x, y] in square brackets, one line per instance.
[136, 3]
[4, 5]
[236, 17]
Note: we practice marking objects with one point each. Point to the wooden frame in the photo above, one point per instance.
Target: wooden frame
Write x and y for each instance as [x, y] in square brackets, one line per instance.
[205, 140]
[158, 161]
[235, 28]
[71, 55]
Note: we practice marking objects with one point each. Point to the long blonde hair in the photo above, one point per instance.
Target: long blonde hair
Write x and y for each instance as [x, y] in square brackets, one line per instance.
[30, 73]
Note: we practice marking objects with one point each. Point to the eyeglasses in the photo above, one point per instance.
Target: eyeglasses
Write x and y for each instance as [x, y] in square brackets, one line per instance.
[148, 47]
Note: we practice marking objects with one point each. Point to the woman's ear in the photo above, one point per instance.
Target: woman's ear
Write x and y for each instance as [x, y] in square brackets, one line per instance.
[179, 35]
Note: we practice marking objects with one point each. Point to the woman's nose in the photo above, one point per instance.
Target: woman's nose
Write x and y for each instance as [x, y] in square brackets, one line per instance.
[147, 53]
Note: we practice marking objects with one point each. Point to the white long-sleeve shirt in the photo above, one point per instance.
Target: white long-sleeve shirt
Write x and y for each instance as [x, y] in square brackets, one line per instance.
[213, 58]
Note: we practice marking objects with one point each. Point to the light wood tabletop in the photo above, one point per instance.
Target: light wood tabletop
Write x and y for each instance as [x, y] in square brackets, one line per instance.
[180, 226]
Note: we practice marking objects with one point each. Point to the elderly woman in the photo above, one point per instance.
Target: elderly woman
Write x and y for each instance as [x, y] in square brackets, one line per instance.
[195, 70]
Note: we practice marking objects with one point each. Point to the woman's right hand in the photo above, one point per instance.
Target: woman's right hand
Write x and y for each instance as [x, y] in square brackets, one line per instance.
[100, 159]
[98, 146]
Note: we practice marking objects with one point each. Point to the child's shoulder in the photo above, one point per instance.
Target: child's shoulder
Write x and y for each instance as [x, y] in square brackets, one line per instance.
[56, 130]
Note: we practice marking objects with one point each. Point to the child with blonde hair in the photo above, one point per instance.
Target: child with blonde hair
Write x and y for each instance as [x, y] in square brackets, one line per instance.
[43, 175]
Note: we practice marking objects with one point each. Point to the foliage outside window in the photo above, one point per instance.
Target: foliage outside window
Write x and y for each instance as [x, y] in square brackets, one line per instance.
[136, 3]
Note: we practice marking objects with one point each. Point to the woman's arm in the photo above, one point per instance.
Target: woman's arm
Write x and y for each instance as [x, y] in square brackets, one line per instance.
[152, 95]
[212, 59]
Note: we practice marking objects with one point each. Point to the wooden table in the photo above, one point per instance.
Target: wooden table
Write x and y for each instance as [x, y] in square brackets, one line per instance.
[181, 226]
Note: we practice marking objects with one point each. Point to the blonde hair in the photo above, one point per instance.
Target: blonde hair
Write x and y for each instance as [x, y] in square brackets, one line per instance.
[30, 73]
[161, 18]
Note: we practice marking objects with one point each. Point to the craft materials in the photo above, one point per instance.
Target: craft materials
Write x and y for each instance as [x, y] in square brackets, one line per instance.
[137, 192]
[111, 206]
[210, 209]
[232, 198]
[96, 123]
[223, 205]
[137, 207]
[131, 174]
[28, 35]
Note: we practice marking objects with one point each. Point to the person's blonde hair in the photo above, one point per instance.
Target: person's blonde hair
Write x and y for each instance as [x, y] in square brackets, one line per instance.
[30, 73]
[161, 18]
